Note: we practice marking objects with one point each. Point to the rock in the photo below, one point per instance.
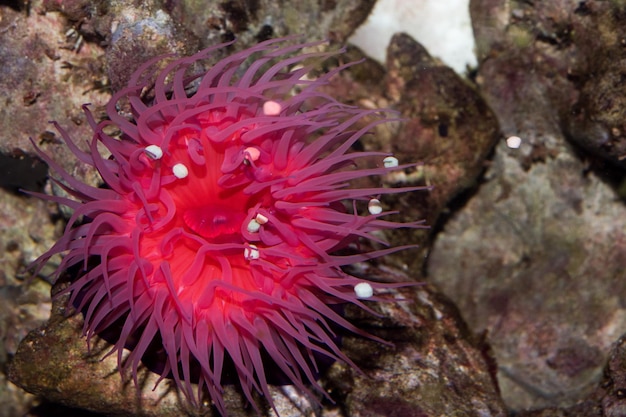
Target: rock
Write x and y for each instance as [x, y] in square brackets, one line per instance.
[436, 367]
[449, 128]
[44, 77]
[612, 390]
[54, 362]
[24, 303]
[597, 121]
[254, 21]
[536, 257]
[139, 32]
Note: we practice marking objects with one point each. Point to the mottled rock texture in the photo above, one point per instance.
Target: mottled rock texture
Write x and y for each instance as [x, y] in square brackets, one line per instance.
[536, 257]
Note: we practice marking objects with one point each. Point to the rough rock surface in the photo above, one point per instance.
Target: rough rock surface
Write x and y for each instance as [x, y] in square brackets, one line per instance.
[536, 258]
[435, 367]
[612, 391]
[258, 20]
[448, 127]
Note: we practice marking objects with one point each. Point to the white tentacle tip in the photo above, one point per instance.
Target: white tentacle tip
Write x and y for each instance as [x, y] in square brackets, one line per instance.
[154, 151]
[261, 219]
[251, 253]
[272, 108]
[251, 154]
[253, 226]
[390, 162]
[180, 171]
[513, 142]
[363, 290]
[374, 206]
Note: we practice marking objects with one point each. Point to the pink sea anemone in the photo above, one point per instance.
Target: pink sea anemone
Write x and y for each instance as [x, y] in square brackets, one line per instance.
[226, 201]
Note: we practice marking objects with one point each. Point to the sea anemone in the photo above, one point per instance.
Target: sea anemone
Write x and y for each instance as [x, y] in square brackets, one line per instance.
[225, 217]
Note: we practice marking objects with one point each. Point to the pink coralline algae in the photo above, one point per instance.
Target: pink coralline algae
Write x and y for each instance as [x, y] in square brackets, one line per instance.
[225, 218]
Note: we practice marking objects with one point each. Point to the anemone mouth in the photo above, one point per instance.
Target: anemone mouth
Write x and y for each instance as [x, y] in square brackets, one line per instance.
[215, 222]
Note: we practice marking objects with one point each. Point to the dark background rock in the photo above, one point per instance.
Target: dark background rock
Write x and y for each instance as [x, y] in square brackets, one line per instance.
[448, 128]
